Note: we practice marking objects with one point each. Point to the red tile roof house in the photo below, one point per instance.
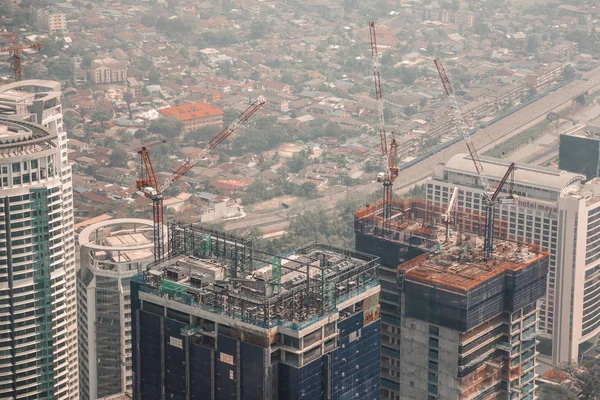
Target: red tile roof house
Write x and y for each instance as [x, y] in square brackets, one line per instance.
[195, 115]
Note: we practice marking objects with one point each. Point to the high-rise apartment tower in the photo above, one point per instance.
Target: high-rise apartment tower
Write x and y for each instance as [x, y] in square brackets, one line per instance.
[38, 329]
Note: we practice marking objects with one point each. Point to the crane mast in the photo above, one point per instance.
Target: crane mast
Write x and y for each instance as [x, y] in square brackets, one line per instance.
[489, 196]
[149, 185]
[392, 170]
[15, 52]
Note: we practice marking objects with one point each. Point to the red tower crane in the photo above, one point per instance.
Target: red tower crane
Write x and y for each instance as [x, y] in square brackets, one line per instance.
[377, 81]
[392, 170]
[15, 50]
[490, 196]
[149, 185]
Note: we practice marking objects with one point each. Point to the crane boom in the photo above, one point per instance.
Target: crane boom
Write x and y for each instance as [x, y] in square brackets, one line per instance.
[195, 158]
[461, 125]
[489, 195]
[149, 185]
[451, 204]
[377, 81]
[509, 173]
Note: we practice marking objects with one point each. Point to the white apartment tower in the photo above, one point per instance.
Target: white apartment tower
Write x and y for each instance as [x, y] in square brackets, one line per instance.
[111, 252]
[554, 210]
[38, 323]
[578, 280]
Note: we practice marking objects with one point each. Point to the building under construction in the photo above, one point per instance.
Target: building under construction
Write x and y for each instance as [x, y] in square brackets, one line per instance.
[464, 328]
[219, 319]
[411, 232]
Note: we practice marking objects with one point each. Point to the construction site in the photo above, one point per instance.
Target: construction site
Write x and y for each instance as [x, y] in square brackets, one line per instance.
[309, 318]
[466, 324]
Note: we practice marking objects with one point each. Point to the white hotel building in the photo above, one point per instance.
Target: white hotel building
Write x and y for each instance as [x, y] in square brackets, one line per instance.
[554, 210]
[38, 326]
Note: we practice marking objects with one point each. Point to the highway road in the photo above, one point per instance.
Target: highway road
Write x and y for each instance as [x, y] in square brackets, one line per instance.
[483, 139]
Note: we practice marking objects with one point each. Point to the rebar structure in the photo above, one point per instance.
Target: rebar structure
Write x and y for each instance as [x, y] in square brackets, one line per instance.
[257, 287]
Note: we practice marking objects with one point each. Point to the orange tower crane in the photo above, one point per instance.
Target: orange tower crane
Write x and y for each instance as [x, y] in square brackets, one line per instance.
[392, 169]
[15, 50]
[149, 185]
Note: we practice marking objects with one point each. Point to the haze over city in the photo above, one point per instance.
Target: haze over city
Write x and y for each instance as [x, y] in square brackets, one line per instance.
[255, 199]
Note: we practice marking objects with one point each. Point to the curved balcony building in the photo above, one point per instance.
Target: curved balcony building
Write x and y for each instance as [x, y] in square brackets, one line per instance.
[111, 252]
[38, 326]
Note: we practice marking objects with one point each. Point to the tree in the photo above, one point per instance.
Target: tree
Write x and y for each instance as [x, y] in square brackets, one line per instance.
[411, 110]
[128, 98]
[258, 30]
[586, 378]
[148, 20]
[370, 166]
[86, 61]
[101, 116]
[534, 42]
[555, 392]
[51, 48]
[140, 134]
[308, 190]
[154, 77]
[89, 6]
[61, 68]
[170, 128]
[204, 134]
[298, 161]
[118, 158]
[568, 72]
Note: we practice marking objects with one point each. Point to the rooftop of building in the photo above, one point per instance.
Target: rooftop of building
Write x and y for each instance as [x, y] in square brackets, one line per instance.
[525, 174]
[124, 239]
[458, 264]
[19, 138]
[15, 96]
[226, 276]
[411, 223]
[187, 112]
[591, 132]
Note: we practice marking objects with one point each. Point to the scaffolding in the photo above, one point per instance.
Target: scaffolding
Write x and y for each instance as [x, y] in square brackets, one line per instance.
[263, 289]
[484, 378]
[412, 223]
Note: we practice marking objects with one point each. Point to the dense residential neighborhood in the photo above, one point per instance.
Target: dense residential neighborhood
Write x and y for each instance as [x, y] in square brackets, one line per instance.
[171, 74]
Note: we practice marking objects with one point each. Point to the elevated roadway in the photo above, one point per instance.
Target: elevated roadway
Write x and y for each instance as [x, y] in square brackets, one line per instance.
[483, 139]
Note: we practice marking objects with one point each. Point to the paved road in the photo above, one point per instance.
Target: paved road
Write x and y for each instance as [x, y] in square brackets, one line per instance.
[485, 138]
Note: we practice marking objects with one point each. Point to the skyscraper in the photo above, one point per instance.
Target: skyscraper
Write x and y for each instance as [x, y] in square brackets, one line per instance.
[38, 355]
[453, 325]
[554, 210]
[111, 252]
[222, 320]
